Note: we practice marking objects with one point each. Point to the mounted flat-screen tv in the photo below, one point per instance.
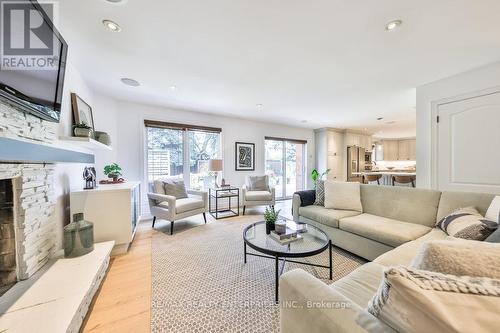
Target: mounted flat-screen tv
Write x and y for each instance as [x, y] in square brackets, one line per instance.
[33, 59]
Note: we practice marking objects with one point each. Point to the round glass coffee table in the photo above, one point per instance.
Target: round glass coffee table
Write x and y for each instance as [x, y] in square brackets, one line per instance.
[313, 242]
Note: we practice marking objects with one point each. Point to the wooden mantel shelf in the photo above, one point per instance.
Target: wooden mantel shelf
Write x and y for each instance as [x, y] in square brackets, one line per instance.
[86, 143]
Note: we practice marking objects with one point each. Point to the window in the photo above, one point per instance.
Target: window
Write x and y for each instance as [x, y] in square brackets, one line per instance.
[165, 155]
[285, 165]
[181, 150]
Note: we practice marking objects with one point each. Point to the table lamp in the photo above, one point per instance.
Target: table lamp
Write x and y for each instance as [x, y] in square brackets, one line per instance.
[215, 166]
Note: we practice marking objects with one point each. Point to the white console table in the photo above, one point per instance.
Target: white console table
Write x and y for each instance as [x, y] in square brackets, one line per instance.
[114, 210]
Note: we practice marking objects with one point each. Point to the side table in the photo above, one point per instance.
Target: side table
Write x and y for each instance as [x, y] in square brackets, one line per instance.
[223, 195]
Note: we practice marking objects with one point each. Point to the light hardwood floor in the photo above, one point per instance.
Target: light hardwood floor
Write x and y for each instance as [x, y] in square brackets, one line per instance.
[123, 304]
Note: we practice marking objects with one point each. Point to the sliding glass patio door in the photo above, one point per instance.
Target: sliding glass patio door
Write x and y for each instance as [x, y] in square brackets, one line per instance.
[285, 165]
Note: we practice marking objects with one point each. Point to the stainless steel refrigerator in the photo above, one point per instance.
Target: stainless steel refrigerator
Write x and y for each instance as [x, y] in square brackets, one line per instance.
[355, 163]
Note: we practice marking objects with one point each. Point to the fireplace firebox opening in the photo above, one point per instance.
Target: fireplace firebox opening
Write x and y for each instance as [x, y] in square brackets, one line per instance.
[8, 274]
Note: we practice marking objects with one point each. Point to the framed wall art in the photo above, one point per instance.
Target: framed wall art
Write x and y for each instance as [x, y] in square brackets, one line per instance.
[245, 156]
[82, 112]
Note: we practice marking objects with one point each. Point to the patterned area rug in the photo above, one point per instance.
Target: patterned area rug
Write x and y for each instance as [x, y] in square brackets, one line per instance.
[200, 283]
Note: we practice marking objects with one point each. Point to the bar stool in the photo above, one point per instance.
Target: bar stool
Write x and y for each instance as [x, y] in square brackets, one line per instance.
[403, 180]
[373, 178]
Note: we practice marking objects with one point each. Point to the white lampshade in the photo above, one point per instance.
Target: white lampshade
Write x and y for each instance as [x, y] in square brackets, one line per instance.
[215, 165]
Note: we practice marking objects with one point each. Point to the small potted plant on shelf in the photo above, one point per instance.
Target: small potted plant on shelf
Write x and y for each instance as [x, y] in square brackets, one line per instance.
[82, 130]
[113, 171]
[270, 216]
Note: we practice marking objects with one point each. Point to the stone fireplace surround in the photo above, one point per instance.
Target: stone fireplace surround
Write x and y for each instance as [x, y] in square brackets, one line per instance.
[34, 201]
[33, 215]
[50, 287]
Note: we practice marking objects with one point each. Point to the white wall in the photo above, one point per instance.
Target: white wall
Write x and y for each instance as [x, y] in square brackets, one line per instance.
[106, 120]
[471, 81]
[68, 176]
[321, 144]
[130, 148]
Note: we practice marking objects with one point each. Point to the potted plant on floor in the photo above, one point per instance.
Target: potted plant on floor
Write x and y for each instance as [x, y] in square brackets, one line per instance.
[113, 171]
[82, 130]
[270, 216]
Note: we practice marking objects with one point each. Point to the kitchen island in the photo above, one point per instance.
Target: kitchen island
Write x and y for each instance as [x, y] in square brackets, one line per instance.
[387, 175]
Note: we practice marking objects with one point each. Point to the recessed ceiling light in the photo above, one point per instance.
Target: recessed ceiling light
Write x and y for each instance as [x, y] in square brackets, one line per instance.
[173, 88]
[116, 1]
[112, 26]
[130, 82]
[380, 118]
[393, 25]
[259, 106]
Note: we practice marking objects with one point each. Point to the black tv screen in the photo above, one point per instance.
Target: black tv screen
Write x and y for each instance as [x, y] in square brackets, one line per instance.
[33, 59]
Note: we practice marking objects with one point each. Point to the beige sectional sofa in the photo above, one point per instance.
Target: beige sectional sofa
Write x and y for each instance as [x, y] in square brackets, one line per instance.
[389, 231]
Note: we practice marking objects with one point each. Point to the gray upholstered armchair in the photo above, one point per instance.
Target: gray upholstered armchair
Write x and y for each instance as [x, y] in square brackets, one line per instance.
[258, 192]
[170, 208]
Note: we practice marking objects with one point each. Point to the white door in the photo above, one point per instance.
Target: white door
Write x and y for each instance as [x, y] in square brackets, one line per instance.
[468, 147]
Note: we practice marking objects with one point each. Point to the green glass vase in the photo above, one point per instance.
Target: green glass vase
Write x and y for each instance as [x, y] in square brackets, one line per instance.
[78, 237]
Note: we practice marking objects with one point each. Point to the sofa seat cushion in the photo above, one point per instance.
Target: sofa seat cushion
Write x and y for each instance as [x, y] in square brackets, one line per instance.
[259, 196]
[329, 217]
[361, 284]
[404, 254]
[381, 229]
[185, 204]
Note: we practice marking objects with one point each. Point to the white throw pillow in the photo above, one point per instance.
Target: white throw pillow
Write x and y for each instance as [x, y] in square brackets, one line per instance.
[415, 301]
[459, 257]
[343, 195]
[493, 213]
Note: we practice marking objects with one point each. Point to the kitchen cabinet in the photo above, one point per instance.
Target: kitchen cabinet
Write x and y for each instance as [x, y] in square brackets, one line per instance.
[352, 139]
[398, 150]
[412, 150]
[403, 150]
[331, 150]
[407, 150]
[335, 154]
[358, 140]
[391, 148]
[368, 142]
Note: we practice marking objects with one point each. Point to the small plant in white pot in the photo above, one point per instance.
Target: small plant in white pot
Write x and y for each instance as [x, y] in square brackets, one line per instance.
[82, 130]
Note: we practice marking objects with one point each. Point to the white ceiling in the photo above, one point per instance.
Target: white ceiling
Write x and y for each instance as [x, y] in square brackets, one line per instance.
[329, 62]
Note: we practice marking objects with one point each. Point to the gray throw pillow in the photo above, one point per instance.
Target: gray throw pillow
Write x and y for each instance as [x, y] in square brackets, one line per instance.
[258, 183]
[320, 193]
[175, 188]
